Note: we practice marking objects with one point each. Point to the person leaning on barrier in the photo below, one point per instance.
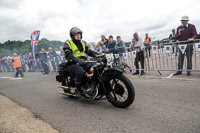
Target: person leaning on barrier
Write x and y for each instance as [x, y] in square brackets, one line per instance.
[186, 32]
[138, 45]
[111, 45]
[104, 40]
[147, 42]
[120, 49]
[172, 40]
[17, 65]
[101, 47]
[75, 50]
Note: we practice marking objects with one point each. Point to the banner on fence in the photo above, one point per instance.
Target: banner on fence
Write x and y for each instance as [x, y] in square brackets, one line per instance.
[116, 55]
[154, 49]
[182, 48]
[197, 46]
[133, 53]
[125, 55]
[167, 49]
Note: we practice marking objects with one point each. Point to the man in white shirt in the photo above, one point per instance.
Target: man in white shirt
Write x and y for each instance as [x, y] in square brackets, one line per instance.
[138, 45]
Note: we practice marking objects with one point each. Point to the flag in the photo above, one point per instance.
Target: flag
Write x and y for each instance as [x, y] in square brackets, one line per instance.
[34, 39]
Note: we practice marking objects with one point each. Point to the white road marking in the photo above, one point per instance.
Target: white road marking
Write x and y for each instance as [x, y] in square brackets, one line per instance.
[5, 77]
[11, 78]
[170, 76]
[15, 78]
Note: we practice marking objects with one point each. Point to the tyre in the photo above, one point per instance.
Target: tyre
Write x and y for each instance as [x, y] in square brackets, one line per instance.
[121, 91]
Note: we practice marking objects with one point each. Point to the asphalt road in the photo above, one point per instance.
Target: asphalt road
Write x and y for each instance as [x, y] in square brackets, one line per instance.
[161, 106]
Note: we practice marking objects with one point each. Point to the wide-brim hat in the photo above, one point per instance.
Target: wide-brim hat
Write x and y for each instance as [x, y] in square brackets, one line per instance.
[186, 18]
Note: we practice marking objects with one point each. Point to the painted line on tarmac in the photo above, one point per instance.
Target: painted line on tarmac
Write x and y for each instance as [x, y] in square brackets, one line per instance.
[11, 78]
[15, 78]
[5, 77]
[170, 76]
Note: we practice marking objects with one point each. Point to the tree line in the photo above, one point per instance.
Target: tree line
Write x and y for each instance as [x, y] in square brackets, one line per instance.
[9, 47]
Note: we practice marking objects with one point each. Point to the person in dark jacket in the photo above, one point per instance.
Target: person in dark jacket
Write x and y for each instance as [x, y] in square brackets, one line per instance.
[104, 40]
[43, 59]
[54, 59]
[75, 50]
[186, 32]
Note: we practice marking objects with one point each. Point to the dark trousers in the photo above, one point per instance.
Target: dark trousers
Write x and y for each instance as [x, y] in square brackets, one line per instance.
[148, 48]
[181, 60]
[78, 72]
[139, 57]
[46, 68]
[18, 71]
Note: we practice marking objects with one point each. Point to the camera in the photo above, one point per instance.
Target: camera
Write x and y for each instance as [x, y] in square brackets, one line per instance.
[182, 30]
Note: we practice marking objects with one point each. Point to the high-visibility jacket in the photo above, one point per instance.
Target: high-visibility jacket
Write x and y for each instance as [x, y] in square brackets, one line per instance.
[75, 50]
[17, 62]
[147, 40]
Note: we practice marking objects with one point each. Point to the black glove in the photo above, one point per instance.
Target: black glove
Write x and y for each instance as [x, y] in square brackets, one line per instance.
[81, 62]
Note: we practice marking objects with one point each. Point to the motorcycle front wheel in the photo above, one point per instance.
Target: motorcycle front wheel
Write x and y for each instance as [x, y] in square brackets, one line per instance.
[121, 91]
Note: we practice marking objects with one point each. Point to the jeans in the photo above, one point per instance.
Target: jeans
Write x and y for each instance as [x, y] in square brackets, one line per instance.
[46, 68]
[18, 71]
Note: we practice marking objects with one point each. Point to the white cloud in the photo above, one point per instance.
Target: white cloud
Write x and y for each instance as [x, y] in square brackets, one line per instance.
[18, 18]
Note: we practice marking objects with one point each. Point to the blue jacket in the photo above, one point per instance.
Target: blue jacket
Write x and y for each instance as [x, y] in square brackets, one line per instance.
[103, 47]
[43, 57]
[111, 47]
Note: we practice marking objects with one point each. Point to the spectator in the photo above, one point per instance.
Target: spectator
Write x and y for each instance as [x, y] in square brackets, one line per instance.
[120, 49]
[30, 61]
[37, 58]
[147, 42]
[24, 58]
[111, 45]
[17, 65]
[186, 32]
[172, 40]
[101, 47]
[62, 54]
[104, 40]
[138, 46]
[43, 59]
[54, 59]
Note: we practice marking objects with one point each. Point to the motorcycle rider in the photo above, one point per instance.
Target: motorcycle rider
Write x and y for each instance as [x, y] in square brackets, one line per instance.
[75, 50]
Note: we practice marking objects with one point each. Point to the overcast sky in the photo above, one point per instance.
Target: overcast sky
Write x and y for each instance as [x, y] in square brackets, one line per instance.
[19, 18]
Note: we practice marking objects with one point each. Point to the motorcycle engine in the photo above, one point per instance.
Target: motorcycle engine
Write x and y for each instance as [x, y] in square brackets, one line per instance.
[91, 91]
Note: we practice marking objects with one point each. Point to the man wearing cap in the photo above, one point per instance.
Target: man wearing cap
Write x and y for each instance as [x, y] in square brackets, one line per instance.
[17, 65]
[186, 32]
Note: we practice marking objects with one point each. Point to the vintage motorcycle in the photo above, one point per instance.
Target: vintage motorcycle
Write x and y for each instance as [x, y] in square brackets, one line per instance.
[100, 82]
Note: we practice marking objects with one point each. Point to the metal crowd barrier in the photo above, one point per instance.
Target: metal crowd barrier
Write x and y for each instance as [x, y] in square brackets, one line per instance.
[162, 57]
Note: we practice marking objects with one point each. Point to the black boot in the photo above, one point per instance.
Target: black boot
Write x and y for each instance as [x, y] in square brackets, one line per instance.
[137, 72]
[189, 73]
[78, 91]
[177, 73]
[142, 72]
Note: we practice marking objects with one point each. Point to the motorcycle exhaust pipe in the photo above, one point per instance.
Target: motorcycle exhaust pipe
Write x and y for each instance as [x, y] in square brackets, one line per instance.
[63, 87]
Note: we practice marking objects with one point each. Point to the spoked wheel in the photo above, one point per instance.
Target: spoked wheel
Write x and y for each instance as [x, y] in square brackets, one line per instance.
[122, 93]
